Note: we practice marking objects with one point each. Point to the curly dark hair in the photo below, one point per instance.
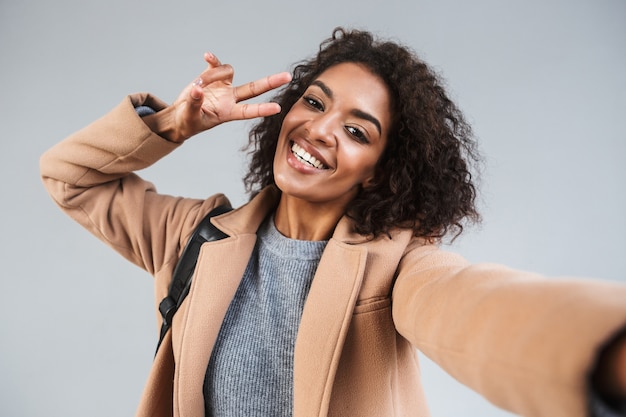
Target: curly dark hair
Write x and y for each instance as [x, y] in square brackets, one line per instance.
[424, 178]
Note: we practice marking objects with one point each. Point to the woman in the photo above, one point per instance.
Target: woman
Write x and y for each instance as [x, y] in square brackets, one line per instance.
[331, 276]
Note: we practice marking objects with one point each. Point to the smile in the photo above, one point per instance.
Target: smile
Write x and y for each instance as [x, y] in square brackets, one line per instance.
[305, 157]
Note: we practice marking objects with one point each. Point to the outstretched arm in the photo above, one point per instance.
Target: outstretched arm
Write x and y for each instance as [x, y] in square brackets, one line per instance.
[211, 100]
[526, 343]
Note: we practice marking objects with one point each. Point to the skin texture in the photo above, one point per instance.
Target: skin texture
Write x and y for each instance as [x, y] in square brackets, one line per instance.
[342, 119]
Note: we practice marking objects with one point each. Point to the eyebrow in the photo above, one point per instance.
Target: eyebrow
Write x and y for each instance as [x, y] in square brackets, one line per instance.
[356, 112]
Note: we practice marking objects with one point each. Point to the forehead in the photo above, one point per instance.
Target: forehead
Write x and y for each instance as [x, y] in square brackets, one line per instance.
[349, 75]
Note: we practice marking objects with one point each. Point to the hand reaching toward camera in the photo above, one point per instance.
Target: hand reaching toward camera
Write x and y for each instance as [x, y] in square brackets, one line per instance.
[211, 100]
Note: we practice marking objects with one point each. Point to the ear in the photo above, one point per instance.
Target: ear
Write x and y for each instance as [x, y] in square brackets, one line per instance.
[369, 181]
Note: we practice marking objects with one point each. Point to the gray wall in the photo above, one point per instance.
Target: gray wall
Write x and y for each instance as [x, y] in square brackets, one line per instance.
[542, 81]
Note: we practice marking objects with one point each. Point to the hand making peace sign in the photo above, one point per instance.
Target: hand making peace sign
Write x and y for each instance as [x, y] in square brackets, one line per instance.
[211, 100]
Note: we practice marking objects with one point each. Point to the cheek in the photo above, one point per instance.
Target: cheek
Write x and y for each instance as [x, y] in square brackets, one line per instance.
[362, 164]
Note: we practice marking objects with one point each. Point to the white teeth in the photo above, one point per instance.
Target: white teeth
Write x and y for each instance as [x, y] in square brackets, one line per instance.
[306, 157]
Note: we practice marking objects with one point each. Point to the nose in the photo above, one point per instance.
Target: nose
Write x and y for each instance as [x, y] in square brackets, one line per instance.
[323, 129]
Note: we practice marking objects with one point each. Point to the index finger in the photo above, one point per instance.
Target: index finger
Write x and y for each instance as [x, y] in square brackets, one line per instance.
[263, 85]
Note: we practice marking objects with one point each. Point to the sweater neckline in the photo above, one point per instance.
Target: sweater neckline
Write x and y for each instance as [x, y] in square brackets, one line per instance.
[287, 247]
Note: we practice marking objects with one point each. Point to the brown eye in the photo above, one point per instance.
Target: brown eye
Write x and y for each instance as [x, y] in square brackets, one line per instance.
[311, 102]
[357, 134]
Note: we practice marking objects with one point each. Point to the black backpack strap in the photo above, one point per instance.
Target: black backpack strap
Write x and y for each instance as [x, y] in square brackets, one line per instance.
[181, 279]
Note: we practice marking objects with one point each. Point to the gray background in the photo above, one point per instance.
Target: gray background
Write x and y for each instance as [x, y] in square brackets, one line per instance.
[543, 82]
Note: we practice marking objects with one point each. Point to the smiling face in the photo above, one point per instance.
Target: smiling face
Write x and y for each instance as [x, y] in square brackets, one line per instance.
[333, 136]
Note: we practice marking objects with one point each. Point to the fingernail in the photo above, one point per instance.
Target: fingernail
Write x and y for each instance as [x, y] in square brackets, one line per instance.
[197, 81]
[210, 55]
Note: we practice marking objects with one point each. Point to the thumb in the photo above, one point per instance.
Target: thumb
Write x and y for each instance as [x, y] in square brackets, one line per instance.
[196, 93]
[194, 100]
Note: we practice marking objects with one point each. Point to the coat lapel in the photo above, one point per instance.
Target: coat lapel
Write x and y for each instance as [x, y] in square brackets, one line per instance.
[324, 325]
[214, 285]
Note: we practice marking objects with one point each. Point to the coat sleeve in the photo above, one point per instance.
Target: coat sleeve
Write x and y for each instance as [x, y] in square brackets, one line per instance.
[523, 341]
[90, 176]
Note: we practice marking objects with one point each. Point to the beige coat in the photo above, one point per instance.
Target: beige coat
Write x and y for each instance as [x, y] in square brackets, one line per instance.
[524, 342]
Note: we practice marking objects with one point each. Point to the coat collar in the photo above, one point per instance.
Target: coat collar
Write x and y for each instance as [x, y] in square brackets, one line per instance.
[247, 218]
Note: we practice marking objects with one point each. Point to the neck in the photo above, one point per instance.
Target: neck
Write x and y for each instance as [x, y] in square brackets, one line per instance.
[303, 220]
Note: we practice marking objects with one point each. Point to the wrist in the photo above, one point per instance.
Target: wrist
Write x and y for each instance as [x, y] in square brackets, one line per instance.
[163, 123]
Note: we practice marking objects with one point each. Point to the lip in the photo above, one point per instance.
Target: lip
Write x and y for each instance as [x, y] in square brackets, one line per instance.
[310, 149]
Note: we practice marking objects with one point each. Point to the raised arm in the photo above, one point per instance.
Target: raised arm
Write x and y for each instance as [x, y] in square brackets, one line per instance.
[90, 173]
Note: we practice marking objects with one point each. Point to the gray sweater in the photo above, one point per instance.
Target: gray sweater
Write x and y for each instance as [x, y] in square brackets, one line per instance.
[251, 368]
